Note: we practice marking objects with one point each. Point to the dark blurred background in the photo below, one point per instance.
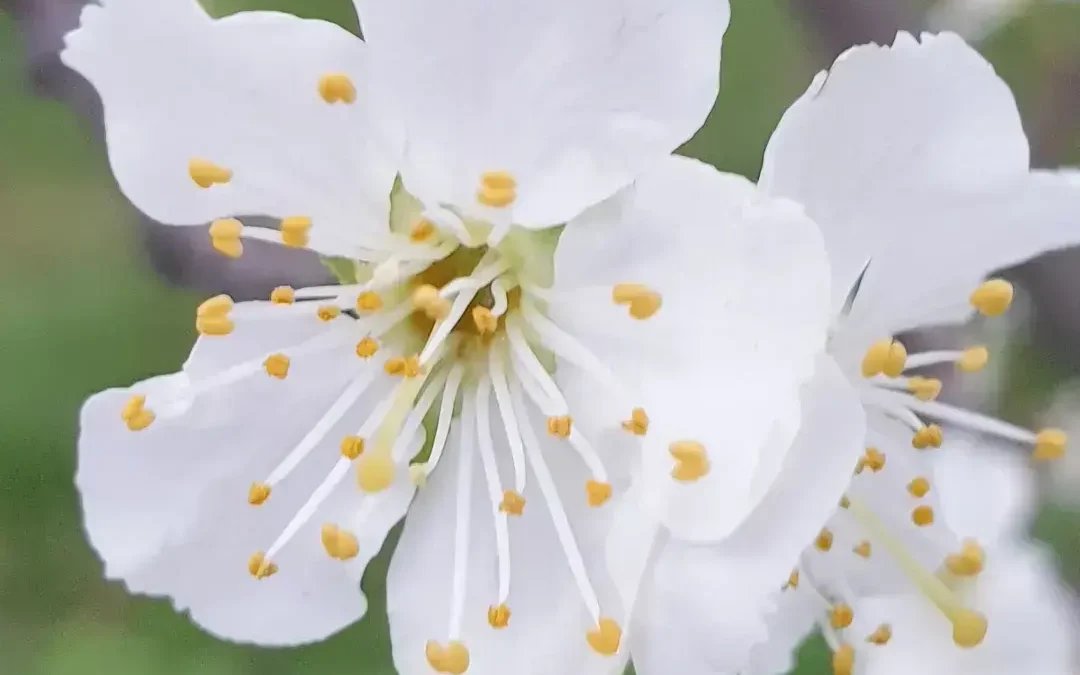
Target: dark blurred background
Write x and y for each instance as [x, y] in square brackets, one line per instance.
[92, 295]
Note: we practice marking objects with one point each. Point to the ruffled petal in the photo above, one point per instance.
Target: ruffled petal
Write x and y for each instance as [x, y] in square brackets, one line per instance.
[242, 93]
[574, 99]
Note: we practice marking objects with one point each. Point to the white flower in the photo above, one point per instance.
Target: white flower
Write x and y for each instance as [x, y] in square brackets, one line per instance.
[913, 162]
[510, 370]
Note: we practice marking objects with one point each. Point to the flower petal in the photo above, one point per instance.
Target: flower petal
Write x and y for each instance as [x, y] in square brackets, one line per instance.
[574, 99]
[744, 311]
[177, 85]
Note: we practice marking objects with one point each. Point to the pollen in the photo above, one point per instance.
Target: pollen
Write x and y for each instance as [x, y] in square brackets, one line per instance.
[841, 616]
[283, 295]
[427, 299]
[881, 635]
[862, 549]
[993, 297]
[261, 568]
[642, 301]
[597, 492]
[337, 87]
[968, 562]
[498, 616]
[258, 494]
[369, 301]
[421, 231]
[792, 581]
[375, 472]
[824, 540]
[497, 189]
[214, 326]
[969, 628]
[486, 322]
[512, 504]
[973, 359]
[691, 461]
[924, 388]
[136, 415]
[560, 426]
[605, 638]
[1049, 445]
[367, 348]
[352, 447]
[294, 231]
[339, 544]
[277, 366]
[922, 516]
[843, 660]
[918, 487]
[929, 436]
[225, 237]
[328, 312]
[207, 174]
[873, 459]
[885, 357]
[217, 306]
[638, 424]
[453, 659]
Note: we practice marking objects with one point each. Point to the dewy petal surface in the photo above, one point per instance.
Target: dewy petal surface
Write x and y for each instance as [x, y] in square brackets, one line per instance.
[240, 92]
[744, 285]
[573, 98]
[913, 158]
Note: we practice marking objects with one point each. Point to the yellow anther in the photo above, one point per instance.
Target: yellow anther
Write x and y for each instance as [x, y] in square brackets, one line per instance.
[969, 628]
[597, 492]
[328, 312]
[375, 471]
[993, 297]
[512, 503]
[873, 459]
[498, 616]
[843, 660]
[219, 305]
[283, 295]
[881, 635]
[896, 360]
[929, 436]
[497, 189]
[824, 540]
[136, 415]
[225, 236]
[395, 366]
[339, 544]
[642, 301]
[425, 296]
[412, 366]
[421, 231]
[486, 322]
[841, 616]
[498, 180]
[418, 474]
[922, 515]
[211, 326]
[862, 549]
[918, 487]
[294, 231]
[605, 638]
[973, 359]
[369, 301]
[845, 502]
[453, 659]
[885, 357]
[335, 87]
[792, 581]
[367, 348]
[206, 174]
[1049, 445]
[352, 447]
[638, 424]
[968, 562]
[560, 426]
[260, 567]
[277, 365]
[258, 494]
[691, 461]
[924, 388]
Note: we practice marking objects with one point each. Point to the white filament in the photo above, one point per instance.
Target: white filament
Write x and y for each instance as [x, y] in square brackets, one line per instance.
[506, 412]
[491, 473]
[446, 413]
[461, 520]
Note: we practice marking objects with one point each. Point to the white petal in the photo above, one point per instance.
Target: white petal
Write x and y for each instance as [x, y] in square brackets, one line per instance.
[572, 98]
[548, 622]
[744, 288]
[876, 144]
[794, 619]
[241, 92]
[166, 508]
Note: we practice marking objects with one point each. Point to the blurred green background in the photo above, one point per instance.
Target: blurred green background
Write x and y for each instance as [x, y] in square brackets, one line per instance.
[80, 310]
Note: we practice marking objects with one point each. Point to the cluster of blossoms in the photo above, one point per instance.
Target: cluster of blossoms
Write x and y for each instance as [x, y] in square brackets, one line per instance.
[613, 392]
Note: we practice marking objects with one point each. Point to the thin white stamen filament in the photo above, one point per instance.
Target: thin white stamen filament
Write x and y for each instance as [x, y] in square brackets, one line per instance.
[923, 359]
[446, 413]
[446, 219]
[446, 325]
[588, 454]
[506, 412]
[969, 419]
[494, 485]
[415, 418]
[499, 288]
[893, 405]
[526, 358]
[462, 519]
[367, 251]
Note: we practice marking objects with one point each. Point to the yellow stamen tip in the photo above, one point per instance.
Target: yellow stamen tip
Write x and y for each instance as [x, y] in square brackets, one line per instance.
[973, 359]
[873, 459]
[923, 515]
[691, 461]
[498, 616]
[605, 638]
[924, 388]
[969, 628]
[421, 231]
[918, 487]
[512, 504]
[993, 297]
[261, 568]
[367, 348]
[375, 472]
[1049, 445]
[929, 436]
[328, 312]
[135, 414]
[642, 301]
[884, 357]
[560, 426]
[969, 562]
[219, 305]
[881, 635]
[369, 301]
[277, 366]
[792, 581]
[497, 189]
[339, 544]
[337, 87]
[845, 502]
[824, 540]
[486, 322]
[283, 295]
[841, 616]
[425, 296]
[498, 180]
[207, 174]
[294, 231]
[225, 237]
[352, 447]
[862, 549]
[258, 494]
[597, 492]
[214, 326]
[843, 660]
[638, 424]
[453, 659]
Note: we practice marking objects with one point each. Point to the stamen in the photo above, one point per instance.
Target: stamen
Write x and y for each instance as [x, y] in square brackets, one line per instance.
[462, 522]
[212, 316]
[499, 299]
[884, 357]
[486, 322]
[367, 348]
[294, 231]
[535, 373]
[206, 174]
[873, 459]
[638, 424]
[929, 436]
[368, 302]
[881, 635]
[993, 297]
[605, 638]
[225, 237]
[506, 413]
[841, 616]
[918, 487]
[560, 426]
[339, 544]
[862, 549]
[136, 415]
[328, 312]
[335, 87]
[1049, 445]
[691, 461]
[642, 301]
[427, 299]
[453, 659]
[260, 567]
[793, 580]
[843, 661]
[499, 616]
[923, 516]
[446, 412]
[352, 447]
[421, 231]
[277, 366]
[924, 388]
[969, 562]
[824, 540]
[480, 407]
[283, 295]
[597, 493]
[258, 494]
[512, 503]
[497, 189]
[973, 359]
